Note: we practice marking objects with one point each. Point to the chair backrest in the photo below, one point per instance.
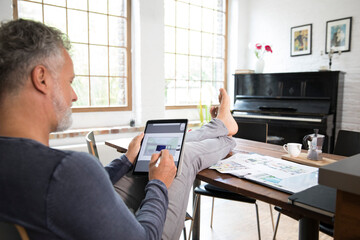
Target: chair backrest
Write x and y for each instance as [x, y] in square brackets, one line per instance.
[91, 144]
[347, 143]
[252, 131]
[10, 231]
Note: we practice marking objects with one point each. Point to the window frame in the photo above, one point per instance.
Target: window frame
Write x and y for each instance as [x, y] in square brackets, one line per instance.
[128, 59]
[190, 106]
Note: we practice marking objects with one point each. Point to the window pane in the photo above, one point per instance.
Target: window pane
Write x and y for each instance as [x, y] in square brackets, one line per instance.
[182, 15]
[78, 29]
[207, 44]
[182, 67]
[195, 18]
[78, 4]
[117, 8]
[99, 91]
[217, 85]
[221, 5]
[199, 48]
[194, 96]
[81, 88]
[207, 20]
[196, 2]
[181, 96]
[182, 84]
[29, 10]
[56, 17]
[169, 12]
[207, 69]
[169, 39]
[117, 91]
[170, 92]
[61, 3]
[219, 69]
[99, 41]
[182, 39]
[219, 45]
[98, 60]
[210, 3]
[170, 69]
[195, 43]
[220, 23]
[195, 68]
[117, 31]
[80, 58]
[98, 6]
[98, 29]
[117, 61]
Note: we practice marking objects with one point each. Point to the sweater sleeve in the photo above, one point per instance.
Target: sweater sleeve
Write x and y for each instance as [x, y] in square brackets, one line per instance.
[118, 168]
[82, 204]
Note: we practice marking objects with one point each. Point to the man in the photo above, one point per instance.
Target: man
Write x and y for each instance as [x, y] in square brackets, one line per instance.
[69, 195]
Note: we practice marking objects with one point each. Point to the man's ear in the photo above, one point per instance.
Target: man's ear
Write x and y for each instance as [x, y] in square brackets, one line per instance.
[40, 78]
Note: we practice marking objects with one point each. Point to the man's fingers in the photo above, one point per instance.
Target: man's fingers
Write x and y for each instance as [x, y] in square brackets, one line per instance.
[138, 138]
[155, 157]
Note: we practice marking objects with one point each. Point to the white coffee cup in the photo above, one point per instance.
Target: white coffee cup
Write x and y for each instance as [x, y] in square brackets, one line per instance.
[294, 149]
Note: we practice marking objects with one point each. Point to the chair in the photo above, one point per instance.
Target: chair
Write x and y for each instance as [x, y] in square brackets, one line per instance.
[347, 144]
[187, 217]
[213, 191]
[252, 131]
[91, 144]
[12, 232]
[247, 130]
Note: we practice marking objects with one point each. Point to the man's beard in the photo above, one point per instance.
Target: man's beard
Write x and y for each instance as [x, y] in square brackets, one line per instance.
[64, 120]
[63, 112]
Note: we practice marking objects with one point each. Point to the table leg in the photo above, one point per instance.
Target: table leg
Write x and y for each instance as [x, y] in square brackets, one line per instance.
[308, 229]
[196, 228]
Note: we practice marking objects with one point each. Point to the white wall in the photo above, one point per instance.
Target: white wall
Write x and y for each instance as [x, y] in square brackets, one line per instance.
[270, 22]
[6, 12]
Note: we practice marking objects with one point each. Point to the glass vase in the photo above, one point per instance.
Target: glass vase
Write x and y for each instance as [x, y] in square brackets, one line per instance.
[259, 67]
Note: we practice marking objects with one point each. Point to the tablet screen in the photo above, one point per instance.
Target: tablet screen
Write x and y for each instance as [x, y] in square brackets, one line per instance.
[159, 135]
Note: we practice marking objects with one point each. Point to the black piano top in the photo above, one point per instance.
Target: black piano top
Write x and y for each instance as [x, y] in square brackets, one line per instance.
[292, 93]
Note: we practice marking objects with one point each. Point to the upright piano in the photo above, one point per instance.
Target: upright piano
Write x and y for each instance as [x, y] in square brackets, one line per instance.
[293, 104]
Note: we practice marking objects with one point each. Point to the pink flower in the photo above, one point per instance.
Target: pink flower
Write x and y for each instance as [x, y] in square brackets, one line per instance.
[268, 48]
[259, 50]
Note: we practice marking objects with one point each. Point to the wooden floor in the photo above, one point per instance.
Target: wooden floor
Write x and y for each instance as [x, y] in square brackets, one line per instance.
[236, 220]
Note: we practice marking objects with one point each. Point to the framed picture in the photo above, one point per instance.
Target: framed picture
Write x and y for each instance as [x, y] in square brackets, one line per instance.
[300, 42]
[338, 35]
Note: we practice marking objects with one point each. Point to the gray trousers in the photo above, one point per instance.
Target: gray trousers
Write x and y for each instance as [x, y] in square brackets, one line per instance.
[203, 148]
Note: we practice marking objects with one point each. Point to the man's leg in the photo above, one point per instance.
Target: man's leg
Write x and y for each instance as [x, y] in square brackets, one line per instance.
[131, 189]
[203, 148]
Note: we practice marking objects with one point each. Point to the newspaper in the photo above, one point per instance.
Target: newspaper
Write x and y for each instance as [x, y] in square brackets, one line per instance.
[277, 173]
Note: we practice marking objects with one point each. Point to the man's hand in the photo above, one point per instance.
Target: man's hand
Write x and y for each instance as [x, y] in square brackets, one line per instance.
[165, 171]
[134, 148]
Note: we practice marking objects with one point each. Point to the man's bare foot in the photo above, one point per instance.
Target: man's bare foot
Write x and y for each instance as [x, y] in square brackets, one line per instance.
[224, 114]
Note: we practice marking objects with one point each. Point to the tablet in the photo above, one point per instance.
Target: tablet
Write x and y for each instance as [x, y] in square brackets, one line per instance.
[158, 135]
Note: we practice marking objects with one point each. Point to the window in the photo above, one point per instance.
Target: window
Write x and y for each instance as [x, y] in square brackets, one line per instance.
[99, 32]
[195, 49]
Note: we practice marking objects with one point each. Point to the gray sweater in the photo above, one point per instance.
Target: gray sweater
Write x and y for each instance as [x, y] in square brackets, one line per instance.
[69, 195]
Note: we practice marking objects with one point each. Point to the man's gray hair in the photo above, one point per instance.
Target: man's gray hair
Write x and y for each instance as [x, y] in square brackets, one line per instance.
[25, 44]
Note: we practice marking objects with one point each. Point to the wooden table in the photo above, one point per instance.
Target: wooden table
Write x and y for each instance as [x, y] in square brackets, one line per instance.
[309, 220]
[120, 144]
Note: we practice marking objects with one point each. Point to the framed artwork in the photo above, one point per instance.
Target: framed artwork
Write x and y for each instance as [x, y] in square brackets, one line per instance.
[301, 40]
[338, 35]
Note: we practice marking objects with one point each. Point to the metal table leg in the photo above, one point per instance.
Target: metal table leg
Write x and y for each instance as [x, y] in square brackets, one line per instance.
[196, 228]
[308, 229]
